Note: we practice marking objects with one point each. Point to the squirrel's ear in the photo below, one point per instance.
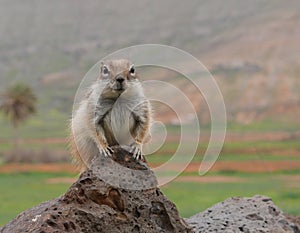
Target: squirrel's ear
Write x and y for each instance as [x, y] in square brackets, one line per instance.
[104, 71]
[101, 66]
[100, 71]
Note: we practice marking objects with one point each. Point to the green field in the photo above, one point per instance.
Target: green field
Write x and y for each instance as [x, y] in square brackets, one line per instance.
[232, 151]
[20, 191]
[194, 197]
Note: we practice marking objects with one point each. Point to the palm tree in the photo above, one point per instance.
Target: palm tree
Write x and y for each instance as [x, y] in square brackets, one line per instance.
[17, 103]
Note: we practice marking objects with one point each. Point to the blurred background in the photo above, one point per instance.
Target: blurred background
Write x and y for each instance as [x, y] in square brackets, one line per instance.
[250, 47]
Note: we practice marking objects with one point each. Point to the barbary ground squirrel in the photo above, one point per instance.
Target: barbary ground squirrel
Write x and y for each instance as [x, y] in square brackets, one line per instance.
[115, 111]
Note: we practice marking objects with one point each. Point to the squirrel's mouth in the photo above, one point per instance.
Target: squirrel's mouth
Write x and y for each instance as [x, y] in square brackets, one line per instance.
[119, 87]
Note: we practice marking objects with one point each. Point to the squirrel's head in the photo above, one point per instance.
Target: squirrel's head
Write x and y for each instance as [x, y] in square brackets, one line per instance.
[119, 74]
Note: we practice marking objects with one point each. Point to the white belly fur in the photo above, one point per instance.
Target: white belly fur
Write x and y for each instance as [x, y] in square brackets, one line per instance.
[120, 122]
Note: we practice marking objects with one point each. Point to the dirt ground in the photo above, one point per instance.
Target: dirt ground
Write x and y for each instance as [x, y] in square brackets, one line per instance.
[241, 166]
[209, 179]
[13, 168]
[253, 166]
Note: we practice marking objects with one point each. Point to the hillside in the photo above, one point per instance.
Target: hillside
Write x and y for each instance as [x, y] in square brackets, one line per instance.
[251, 48]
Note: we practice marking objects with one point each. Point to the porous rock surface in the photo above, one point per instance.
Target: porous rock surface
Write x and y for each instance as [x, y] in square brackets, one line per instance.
[238, 214]
[100, 203]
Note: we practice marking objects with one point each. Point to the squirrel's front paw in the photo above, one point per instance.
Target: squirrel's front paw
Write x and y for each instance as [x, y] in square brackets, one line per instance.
[106, 151]
[136, 150]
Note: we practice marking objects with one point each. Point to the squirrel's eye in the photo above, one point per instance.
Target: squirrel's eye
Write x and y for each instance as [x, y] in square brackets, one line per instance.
[132, 70]
[105, 71]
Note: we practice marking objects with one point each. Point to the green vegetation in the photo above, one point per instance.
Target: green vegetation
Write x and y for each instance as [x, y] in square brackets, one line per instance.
[238, 151]
[24, 190]
[273, 124]
[18, 103]
[21, 191]
[42, 125]
[232, 151]
[191, 197]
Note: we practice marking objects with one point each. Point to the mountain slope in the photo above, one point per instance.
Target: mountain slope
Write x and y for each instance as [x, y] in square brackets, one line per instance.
[251, 48]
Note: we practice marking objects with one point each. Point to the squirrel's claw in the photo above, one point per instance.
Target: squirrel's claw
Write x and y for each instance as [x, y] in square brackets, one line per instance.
[136, 151]
[107, 151]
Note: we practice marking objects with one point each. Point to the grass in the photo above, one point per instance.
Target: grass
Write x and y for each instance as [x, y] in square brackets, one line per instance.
[232, 151]
[20, 191]
[238, 151]
[266, 125]
[263, 145]
[192, 198]
[38, 126]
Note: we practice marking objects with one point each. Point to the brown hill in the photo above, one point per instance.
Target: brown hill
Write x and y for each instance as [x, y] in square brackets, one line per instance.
[251, 47]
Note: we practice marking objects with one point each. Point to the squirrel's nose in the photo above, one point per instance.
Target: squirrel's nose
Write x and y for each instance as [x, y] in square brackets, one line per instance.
[120, 79]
